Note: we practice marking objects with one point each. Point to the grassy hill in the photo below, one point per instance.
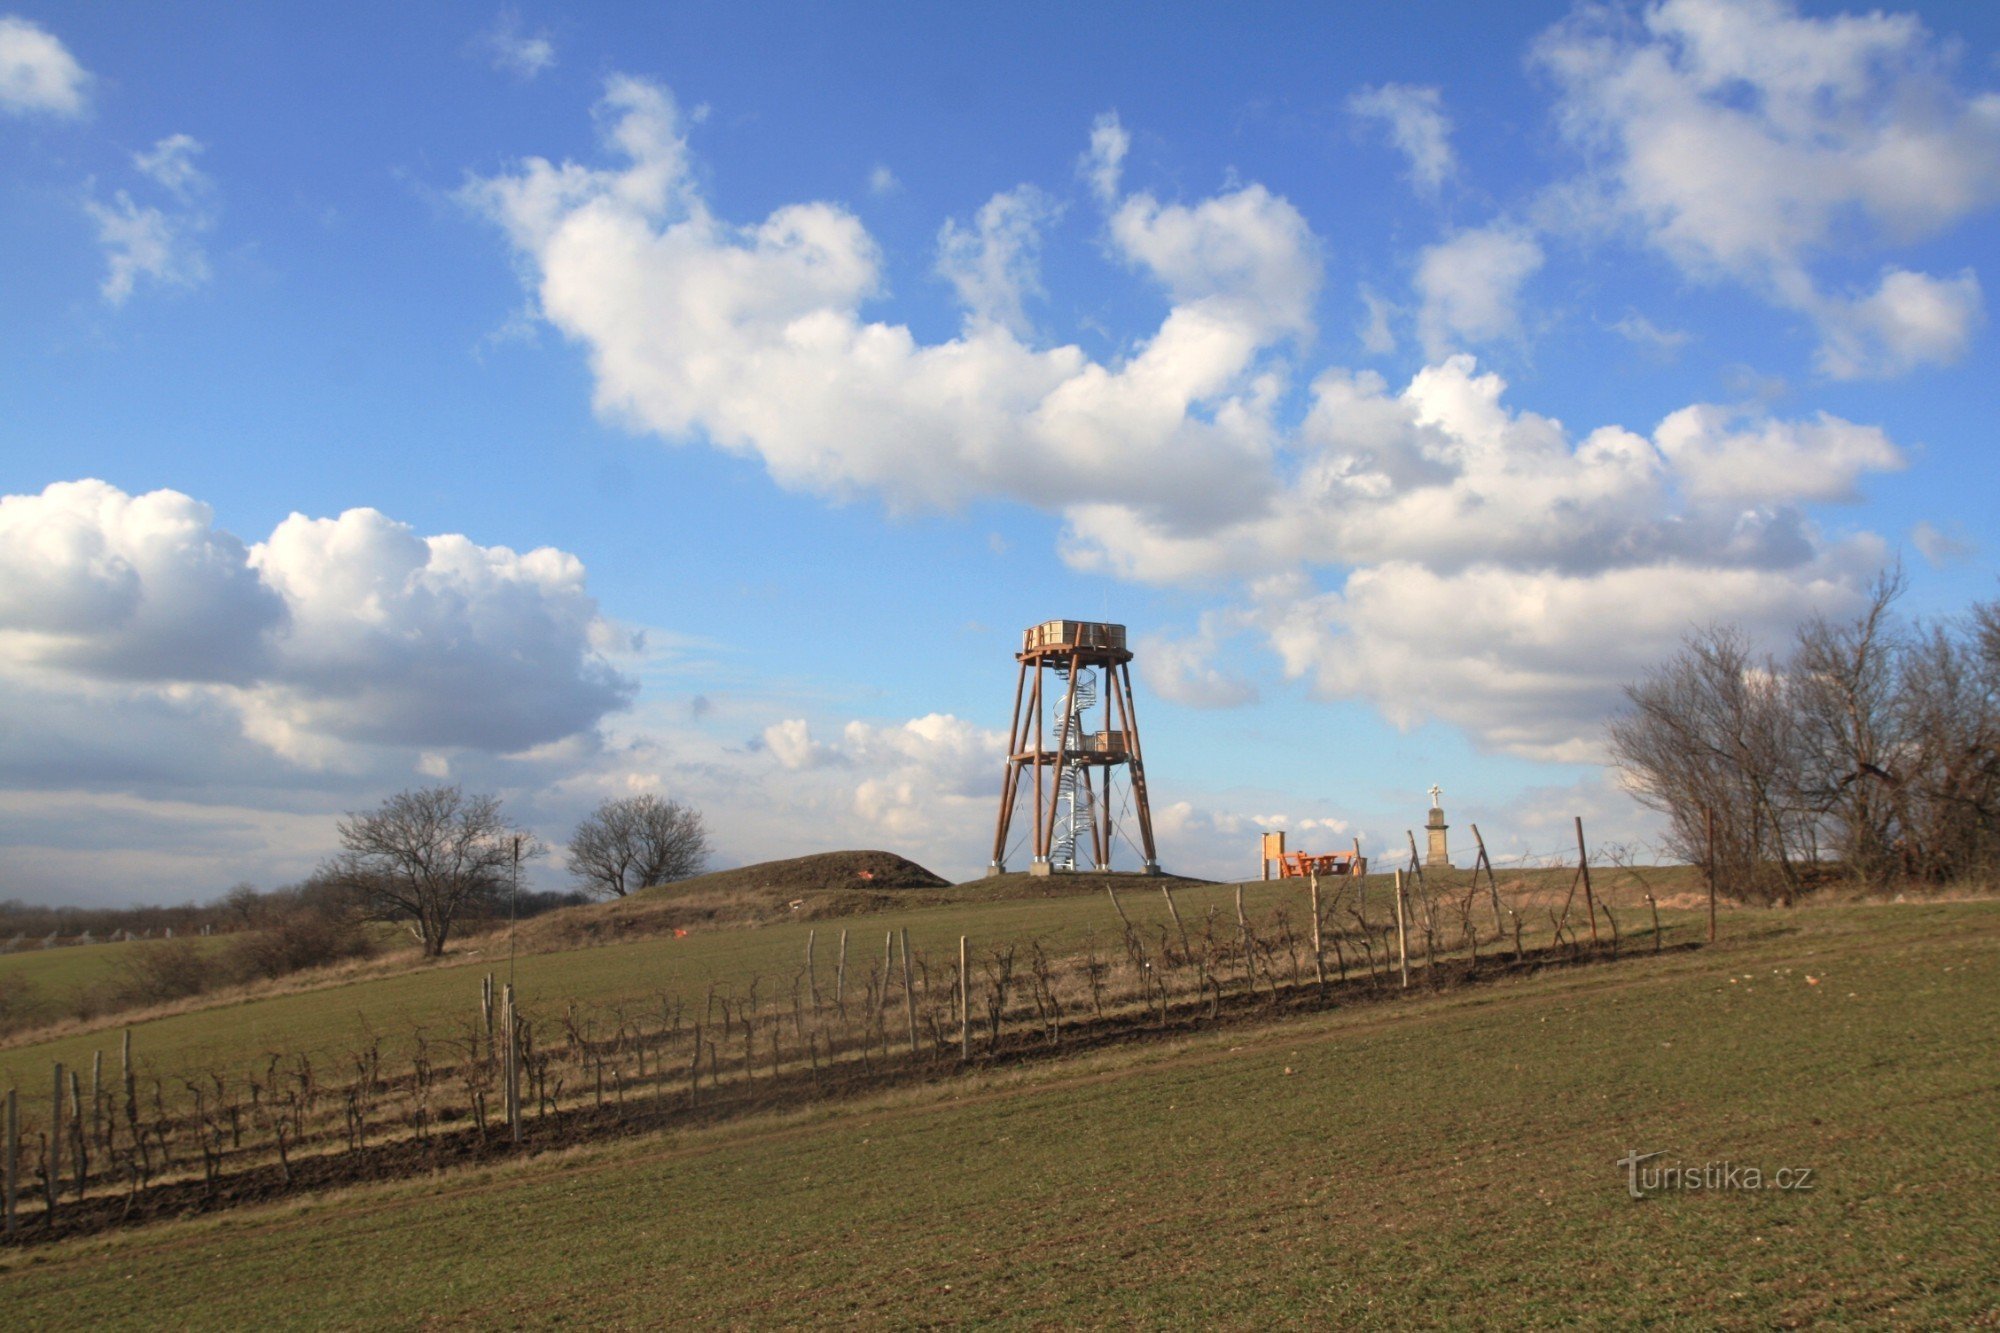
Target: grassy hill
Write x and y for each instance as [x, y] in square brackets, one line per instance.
[626, 953]
[1448, 1159]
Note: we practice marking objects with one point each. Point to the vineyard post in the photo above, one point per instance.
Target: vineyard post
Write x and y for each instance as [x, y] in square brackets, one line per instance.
[96, 1096]
[840, 972]
[1319, 958]
[55, 1143]
[964, 1003]
[1492, 886]
[1243, 940]
[511, 1021]
[909, 993]
[13, 1156]
[79, 1154]
[1175, 912]
[1583, 869]
[1402, 935]
[812, 977]
[129, 1078]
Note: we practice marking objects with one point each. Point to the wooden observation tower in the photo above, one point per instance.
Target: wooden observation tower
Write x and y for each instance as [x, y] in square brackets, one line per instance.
[1075, 738]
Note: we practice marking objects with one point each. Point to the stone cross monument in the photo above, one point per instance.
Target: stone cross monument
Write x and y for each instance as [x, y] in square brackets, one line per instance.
[1438, 858]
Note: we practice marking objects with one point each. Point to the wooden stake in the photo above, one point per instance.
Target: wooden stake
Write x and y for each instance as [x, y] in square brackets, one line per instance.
[511, 1022]
[1243, 940]
[964, 1003]
[840, 971]
[1491, 887]
[13, 1188]
[1319, 957]
[1402, 935]
[812, 977]
[96, 1096]
[909, 992]
[79, 1154]
[55, 1142]
[1583, 868]
[1175, 913]
[129, 1077]
[1119, 907]
[1655, 905]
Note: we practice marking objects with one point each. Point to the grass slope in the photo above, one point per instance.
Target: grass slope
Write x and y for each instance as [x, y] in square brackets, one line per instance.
[328, 1023]
[1449, 1160]
[44, 985]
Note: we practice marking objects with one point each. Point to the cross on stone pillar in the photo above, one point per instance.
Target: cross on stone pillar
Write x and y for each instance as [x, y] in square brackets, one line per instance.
[1439, 856]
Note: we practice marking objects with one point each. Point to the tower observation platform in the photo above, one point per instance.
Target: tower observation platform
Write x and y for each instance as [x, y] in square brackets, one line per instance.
[1072, 743]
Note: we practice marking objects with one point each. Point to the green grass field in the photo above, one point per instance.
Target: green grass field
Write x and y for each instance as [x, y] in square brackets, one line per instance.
[1447, 1159]
[328, 1022]
[441, 998]
[54, 979]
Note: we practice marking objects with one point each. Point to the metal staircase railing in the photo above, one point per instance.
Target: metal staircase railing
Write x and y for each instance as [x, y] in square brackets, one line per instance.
[1075, 812]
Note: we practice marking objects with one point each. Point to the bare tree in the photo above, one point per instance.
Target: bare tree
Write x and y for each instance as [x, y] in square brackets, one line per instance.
[424, 856]
[1712, 734]
[1847, 679]
[1874, 746]
[628, 844]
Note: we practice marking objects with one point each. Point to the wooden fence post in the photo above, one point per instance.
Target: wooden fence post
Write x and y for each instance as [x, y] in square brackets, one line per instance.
[1319, 957]
[909, 993]
[13, 1188]
[1492, 887]
[130, 1079]
[812, 977]
[97, 1097]
[840, 971]
[55, 1143]
[1583, 868]
[964, 1002]
[510, 1021]
[1243, 941]
[79, 1152]
[1402, 935]
[1175, 913]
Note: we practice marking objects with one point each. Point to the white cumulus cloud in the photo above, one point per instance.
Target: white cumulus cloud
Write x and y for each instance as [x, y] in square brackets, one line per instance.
[1747, 141]
[992, 263]
[37, 72]
[331, 632]
[1418, 126]
[752, 337]
[1470, 287]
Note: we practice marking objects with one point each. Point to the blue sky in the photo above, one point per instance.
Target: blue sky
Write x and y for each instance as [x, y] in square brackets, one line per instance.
[571, 402]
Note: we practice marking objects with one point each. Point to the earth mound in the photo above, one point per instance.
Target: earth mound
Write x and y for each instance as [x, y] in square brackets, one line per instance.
[825, 884]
